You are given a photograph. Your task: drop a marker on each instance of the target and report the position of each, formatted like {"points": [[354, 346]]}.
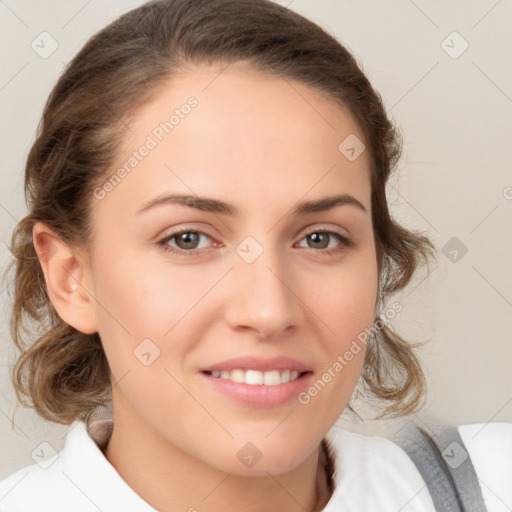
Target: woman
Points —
{"points": [[191, 158]]}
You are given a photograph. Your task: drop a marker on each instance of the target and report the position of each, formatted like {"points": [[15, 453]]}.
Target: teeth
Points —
{"points": [[272, 378], [254, 377], [257, 378], [236, 376]]}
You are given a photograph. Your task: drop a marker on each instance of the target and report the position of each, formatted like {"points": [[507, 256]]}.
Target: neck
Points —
{"points": [[169, 479]]}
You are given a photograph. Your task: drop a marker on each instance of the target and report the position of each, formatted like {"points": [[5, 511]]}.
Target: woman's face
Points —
{"points": [[253, 289]]}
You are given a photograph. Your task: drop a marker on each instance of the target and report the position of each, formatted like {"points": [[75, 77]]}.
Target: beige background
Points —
{"points": [[455, 112]]}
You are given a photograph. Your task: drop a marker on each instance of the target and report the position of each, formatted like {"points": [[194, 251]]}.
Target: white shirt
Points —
{"points": [[372, 474]]}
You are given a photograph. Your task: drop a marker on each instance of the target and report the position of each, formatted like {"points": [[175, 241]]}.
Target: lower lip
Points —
{"points": [[261, 395]]}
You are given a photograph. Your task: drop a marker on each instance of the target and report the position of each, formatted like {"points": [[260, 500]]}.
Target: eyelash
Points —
{"points": [[346, 243]]}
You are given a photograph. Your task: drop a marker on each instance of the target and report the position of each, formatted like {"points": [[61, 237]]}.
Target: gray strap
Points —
{"points": [[445, 465], [457, 459]]}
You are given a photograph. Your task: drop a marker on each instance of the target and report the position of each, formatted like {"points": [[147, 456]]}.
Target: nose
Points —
{"points": [[266, 298]]}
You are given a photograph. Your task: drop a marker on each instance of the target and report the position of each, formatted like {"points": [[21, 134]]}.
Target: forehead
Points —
{"points": [[221, 131]]}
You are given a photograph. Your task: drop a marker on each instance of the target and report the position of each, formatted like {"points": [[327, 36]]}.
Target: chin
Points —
{"points": [[262, 456]]}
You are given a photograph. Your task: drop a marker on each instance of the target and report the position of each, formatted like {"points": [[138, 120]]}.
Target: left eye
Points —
{"points": [[321, 238]]}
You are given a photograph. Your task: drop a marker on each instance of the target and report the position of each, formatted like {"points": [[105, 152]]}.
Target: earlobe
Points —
{"points": [[66, 279]]}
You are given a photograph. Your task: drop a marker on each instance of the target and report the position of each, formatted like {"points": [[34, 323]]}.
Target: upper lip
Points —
{"points": [[258, 363]]}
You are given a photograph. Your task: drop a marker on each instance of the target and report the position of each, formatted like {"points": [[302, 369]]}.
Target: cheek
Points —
{"points": [[345, 299], [139, 302], [144, 296], [347, 307], [353, 312]]}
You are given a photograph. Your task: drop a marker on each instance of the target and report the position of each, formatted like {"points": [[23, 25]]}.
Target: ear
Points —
{"points": [[67, 279]]}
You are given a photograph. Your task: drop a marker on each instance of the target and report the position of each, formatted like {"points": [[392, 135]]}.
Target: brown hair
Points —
{"points": [[64, 372]]}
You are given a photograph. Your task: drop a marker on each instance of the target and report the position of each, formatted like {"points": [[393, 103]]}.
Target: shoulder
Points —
{"points": [[489, 445], [372, 472], [78, 478], [30, 488]]}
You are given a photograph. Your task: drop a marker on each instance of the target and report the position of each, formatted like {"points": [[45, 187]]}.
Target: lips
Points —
{"points": [[258, 381]]}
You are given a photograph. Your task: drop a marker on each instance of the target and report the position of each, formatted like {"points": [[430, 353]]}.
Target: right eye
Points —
{"points": [[186, 241]]}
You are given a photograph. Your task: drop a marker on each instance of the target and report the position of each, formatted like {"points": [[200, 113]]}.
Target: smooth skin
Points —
{"points": [[262, 144]]}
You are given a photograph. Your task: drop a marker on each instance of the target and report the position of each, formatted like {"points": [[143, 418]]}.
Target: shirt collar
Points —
{"points": [[92, 472]]}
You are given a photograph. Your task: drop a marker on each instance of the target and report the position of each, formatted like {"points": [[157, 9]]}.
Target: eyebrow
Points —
{"points": [[215, 206]]}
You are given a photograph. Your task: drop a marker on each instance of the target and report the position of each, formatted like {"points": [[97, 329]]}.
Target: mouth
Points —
{"points": [[254, 377], [257, 381]]}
